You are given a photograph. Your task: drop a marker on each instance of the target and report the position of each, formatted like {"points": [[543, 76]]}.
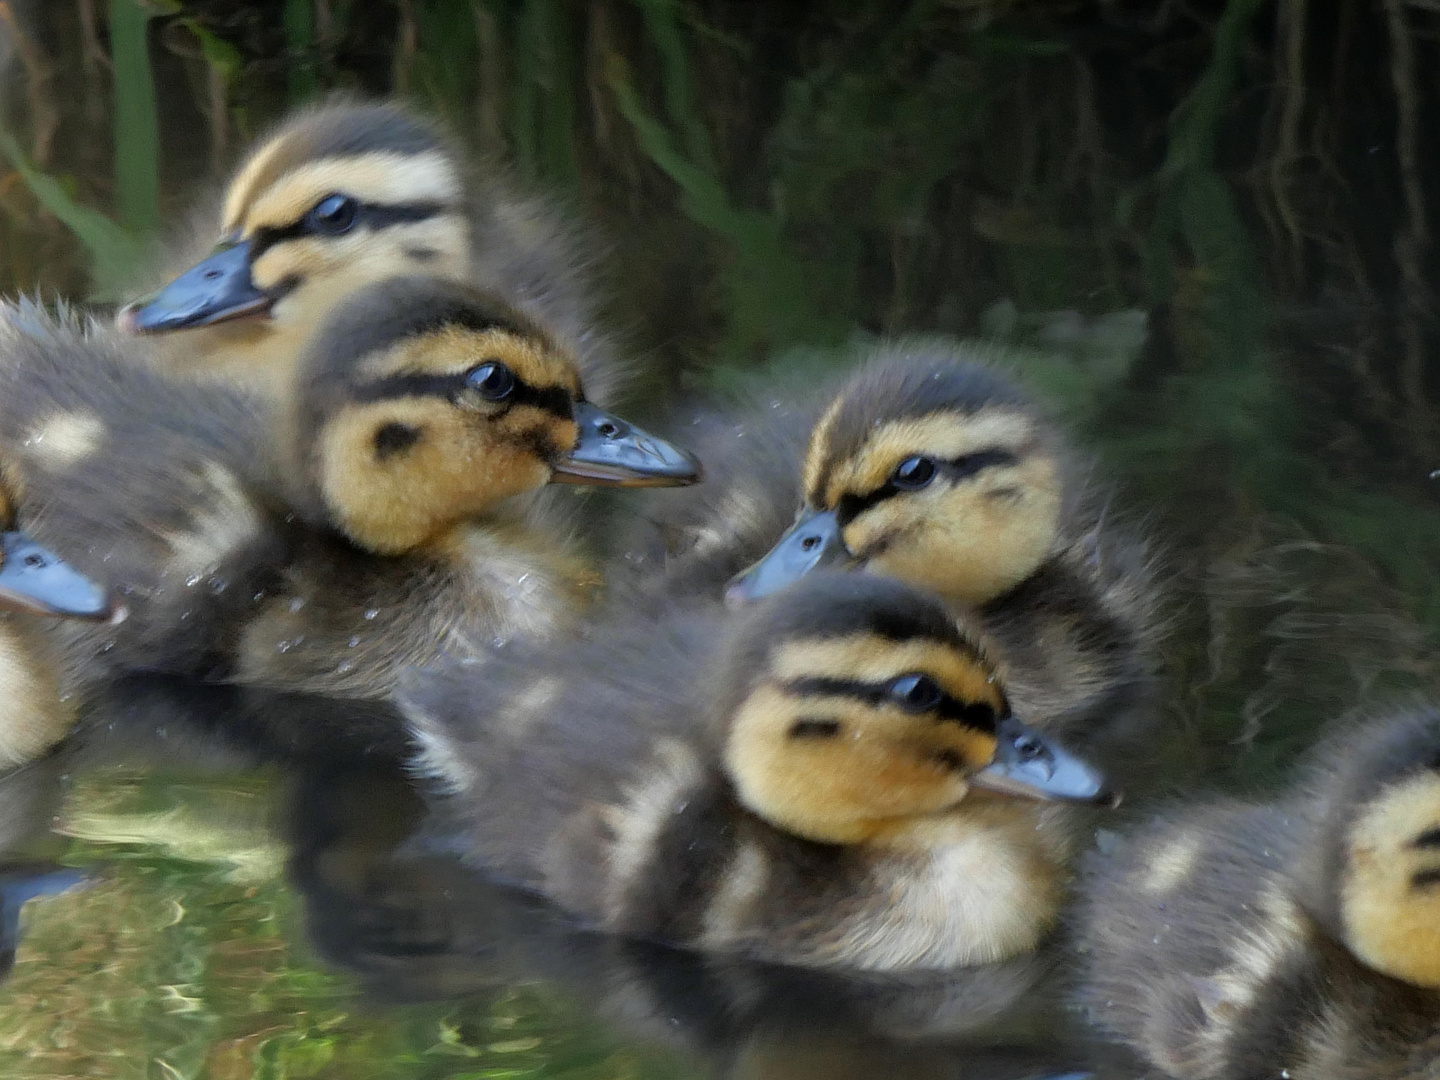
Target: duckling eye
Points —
{"points": [[333, 214], [494, 381], [916, 693], [912, 474]]}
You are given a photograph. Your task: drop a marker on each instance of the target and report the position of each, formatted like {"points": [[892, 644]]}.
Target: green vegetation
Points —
{"points": [[184, 957]]}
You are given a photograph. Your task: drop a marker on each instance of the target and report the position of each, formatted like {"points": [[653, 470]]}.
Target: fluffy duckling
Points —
{"points": [[1299, 938], [35, 712], [934, 468], [341, 195], [374, 528], [830, 779]]}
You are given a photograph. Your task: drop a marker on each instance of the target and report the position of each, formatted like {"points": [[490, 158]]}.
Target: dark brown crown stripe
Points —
{"points": [[972, 714]]}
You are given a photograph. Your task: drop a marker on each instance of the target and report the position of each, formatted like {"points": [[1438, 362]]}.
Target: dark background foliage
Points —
{"points": [[1257, 178]]}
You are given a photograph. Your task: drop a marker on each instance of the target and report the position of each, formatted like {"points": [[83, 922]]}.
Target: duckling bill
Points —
{"points": [[34, 579], [831, 779], [34, 713]]}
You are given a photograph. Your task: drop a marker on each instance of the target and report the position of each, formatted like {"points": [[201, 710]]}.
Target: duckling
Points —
{"points": [[375, 525], [931, 466], [1296, 938], [831, 779], [35, 710], [347, 193]]}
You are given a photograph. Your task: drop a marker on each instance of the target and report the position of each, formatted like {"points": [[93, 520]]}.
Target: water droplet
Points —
{"points": [[218, 585], [296, 604], [371, 613], [352, 642], [282, 646], [345, 667], [193, 580]]}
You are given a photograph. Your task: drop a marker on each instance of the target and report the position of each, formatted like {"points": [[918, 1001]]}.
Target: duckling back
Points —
{"points": [[606, 774], [1228, 941], [139, 481]]}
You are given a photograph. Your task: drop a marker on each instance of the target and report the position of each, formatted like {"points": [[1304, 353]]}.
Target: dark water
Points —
{"points": [[1202, 231]]}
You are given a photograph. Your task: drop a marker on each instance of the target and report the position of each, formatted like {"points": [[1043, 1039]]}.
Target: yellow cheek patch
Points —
{"points": [[457, 468], [944, 436], [848, 788], [378, 177], [1393, 921], [970, 541], [871, 658]]}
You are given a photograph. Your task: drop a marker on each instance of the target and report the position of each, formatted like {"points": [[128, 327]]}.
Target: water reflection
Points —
{"points": [[382, 900]]}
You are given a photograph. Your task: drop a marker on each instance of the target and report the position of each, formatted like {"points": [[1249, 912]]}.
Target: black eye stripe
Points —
{"points": [[960, 468], [1427, 839], [373, 215], [814, 728], [972, 714], [1425, 879], [551, 399]]}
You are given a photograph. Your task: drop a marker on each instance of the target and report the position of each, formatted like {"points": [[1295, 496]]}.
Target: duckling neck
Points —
{"points": [[259, 354], [350, 623], [532, 583], [977, 884]]}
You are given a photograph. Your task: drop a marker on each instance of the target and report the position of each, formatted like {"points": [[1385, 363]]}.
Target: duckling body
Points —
{"points": [[1297, 938], [342, 195], [366, 530], [999, 518], [756, 784]]}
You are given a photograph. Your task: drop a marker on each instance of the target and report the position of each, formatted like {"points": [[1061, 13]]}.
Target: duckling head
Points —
{"points": [[423, 403], [35, 579], [1379, 860], [339, 196], [931, 469], [858, 708]]}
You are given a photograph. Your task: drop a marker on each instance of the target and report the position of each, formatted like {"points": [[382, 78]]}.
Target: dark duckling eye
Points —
{"points": [[333, 214], [494, 381], [916, 693], [912, 474]]}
